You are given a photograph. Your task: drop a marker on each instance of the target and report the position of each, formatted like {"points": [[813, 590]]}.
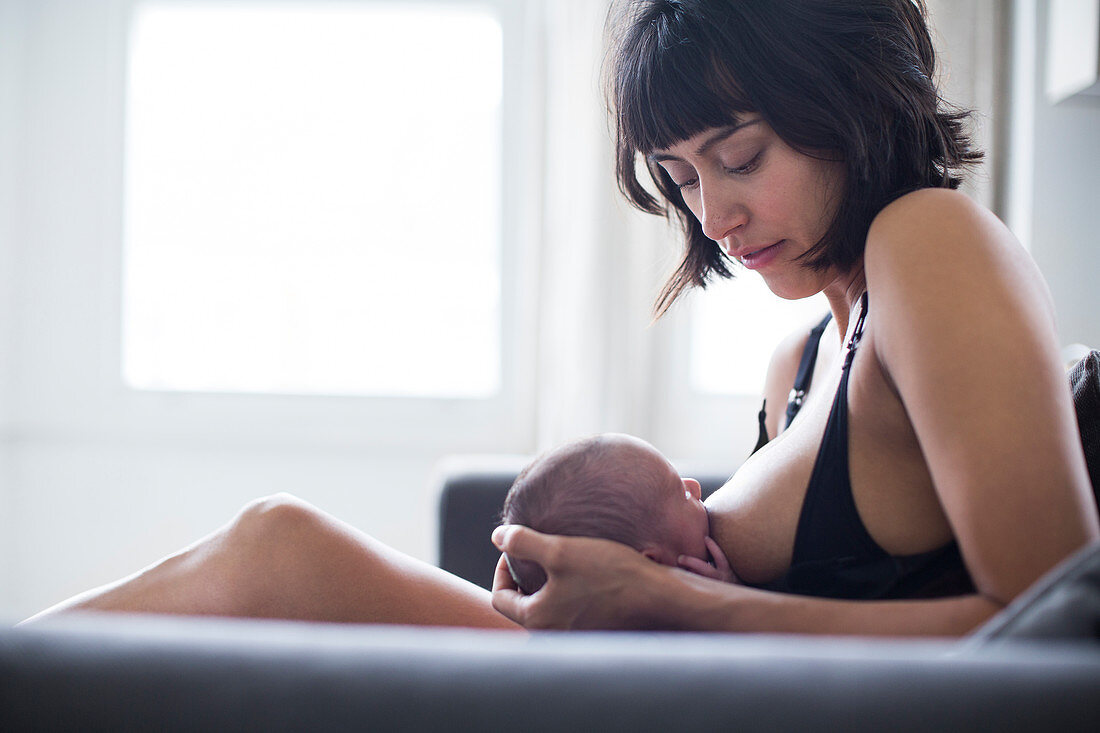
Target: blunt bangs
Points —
{"points": [[672, 88]]}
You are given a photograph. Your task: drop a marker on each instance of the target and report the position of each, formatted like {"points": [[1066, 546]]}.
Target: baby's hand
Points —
{"points": [[720, 570]]}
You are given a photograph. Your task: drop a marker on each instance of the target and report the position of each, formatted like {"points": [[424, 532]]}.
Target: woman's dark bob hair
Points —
{"points": [[847, 80]]}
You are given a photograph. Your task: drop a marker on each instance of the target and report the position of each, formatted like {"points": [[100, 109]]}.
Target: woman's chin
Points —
{"points": [[789, 290]]}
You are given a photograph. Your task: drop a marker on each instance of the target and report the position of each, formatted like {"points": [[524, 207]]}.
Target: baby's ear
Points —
{"points": [[659, 555]]}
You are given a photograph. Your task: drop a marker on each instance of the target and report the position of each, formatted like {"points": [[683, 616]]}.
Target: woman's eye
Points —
{"points": [[680, 176], [748, 167]]}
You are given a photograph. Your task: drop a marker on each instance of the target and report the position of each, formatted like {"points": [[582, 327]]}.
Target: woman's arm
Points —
{"points": [[598, 584], [963, 327]]}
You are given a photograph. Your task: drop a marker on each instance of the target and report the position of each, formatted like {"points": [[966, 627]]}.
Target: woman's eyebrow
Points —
{"points": [[721, 134]]}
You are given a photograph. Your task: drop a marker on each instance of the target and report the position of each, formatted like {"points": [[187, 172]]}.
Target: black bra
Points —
{"points": [[834, 555]]}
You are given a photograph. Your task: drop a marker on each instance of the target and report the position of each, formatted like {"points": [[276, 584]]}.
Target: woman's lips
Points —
{"points": [[761, 257]]}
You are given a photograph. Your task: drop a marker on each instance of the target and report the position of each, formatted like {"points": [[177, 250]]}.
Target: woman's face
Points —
{"points": [[762, 201]]}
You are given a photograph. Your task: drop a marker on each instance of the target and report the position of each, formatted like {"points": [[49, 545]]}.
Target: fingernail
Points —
{"points": [[498, 535]]}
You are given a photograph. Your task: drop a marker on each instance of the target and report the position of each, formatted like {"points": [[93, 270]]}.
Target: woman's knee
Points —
{"points": [[275, 514], [276, 529], [267, 550]]}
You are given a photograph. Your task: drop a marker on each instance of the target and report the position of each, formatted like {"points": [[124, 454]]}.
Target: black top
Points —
{"points": [[834, 555]]}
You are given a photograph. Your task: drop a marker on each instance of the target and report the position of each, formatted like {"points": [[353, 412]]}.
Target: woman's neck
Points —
{"points": [[843, 294]]}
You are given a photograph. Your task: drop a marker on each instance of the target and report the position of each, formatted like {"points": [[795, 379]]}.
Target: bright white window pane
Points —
{"points": [[735, 327], [313, 199]]}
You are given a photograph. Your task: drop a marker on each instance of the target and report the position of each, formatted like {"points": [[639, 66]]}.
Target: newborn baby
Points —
{"points": [[619, 488]]}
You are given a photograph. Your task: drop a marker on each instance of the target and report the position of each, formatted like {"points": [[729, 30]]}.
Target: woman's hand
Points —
{"points": [[720, 570], [591, 583]]}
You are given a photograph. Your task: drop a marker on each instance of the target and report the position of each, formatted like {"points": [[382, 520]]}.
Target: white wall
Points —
{"points": [[10, 64], [1065, 195]]}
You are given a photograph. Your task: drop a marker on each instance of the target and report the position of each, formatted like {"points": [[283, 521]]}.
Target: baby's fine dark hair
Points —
{"points": [[845, 80], [585, 488]]}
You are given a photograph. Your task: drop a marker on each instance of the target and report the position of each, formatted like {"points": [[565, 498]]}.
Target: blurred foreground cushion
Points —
{"points": [[1063, 605]]}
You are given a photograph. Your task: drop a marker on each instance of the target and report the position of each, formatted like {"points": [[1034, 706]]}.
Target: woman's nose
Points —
{"points": [[721, 215]]}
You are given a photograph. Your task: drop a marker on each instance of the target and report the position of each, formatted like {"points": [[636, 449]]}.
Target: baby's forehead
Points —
{"points": [[639, 457], [629, 446], [645, 461]]}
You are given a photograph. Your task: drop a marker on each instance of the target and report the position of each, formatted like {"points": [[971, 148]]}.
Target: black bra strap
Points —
{"points": [[762, 435], [857, 332], [805, 374]]}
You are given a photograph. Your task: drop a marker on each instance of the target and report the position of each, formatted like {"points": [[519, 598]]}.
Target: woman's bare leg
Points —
{"points": [[282, 558]]}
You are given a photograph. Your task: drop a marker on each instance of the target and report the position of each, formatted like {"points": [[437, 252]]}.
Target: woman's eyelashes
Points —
{"points": [[740, 170], [748, 167]]}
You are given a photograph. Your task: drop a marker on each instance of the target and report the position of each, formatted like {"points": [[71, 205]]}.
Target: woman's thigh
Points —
{"points": [[283, 558]]}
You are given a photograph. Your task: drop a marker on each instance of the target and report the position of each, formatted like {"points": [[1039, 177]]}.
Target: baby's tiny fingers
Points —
{"points": [[721, 562], [716, 554], [697, 566]]}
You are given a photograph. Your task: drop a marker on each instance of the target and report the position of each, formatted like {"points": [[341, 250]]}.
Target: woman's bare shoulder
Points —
{"points": [[939, 248], [945, 275], [927, 221]]}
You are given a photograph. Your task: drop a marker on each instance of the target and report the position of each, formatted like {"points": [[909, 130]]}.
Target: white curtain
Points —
{"points": [[598, 260], [972, 48]]}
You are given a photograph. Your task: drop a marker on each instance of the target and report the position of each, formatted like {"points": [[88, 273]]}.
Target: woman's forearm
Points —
{"points": [[694, 603], [598, 584]]}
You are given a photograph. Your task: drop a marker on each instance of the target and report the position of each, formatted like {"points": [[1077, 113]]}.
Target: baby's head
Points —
{"points": [[612, 486]]}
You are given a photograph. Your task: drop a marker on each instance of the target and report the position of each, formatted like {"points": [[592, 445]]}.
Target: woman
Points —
{"points": [[933, 471]]}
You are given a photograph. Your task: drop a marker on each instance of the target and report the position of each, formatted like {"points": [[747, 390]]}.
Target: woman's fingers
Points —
{"points": [[589, 581], [520, 542], [526, 544], [511, 604], [502, 578], [507, 599]]}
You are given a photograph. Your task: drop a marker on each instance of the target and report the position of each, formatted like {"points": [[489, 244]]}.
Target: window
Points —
{"points": [[735, 327], [313, 199]]}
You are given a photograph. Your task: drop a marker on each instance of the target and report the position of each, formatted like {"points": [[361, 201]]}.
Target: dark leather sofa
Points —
{"points": [[1036, 666]]}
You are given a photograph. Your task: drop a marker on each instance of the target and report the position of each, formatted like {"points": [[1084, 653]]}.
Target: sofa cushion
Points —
{"points": [[1064, 604]]}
